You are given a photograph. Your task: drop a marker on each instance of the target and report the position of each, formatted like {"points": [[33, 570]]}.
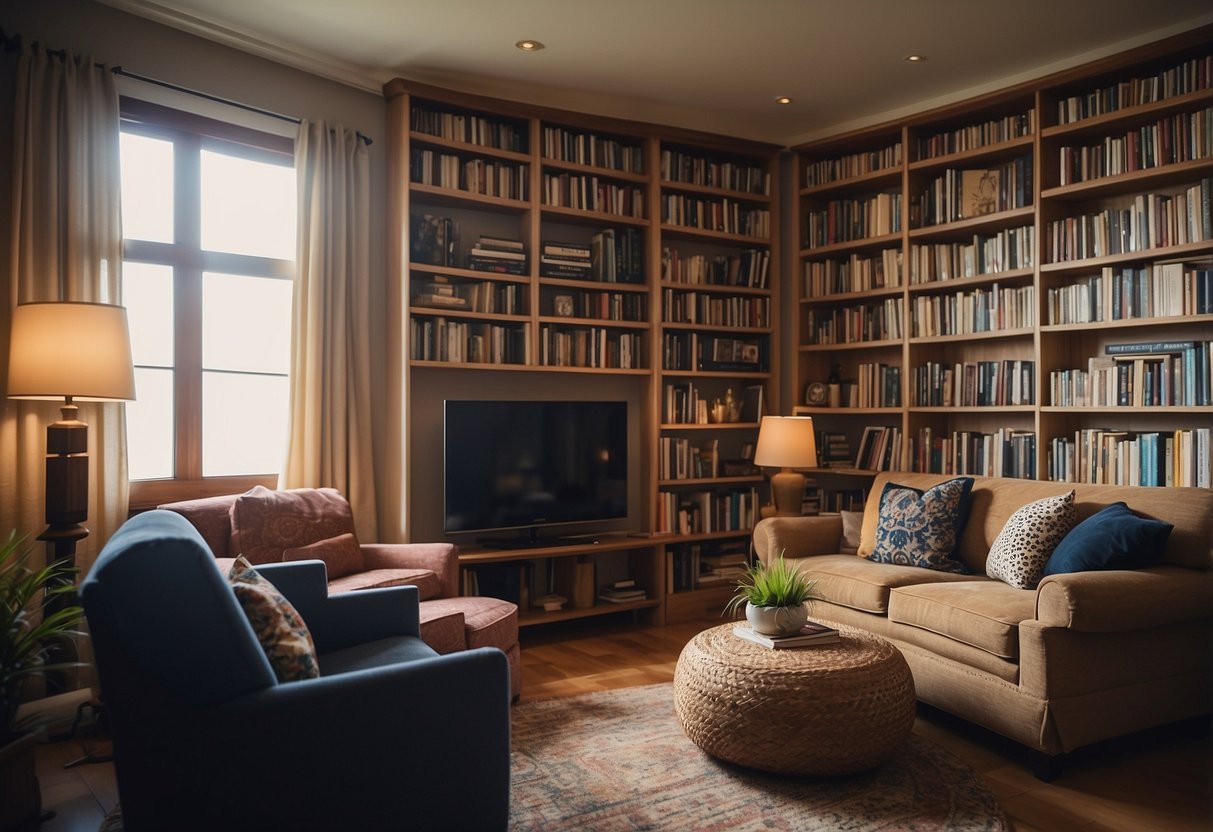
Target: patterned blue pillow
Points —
{"points": [[922, 528]]}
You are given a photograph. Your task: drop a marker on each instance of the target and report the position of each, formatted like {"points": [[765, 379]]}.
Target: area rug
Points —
{"points": [[619, 760]]}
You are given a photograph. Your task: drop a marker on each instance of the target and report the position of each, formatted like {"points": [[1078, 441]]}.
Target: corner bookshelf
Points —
{"points": [[542, 253], [985, 260]]}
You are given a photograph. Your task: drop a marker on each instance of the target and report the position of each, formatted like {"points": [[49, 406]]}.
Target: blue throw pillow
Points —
{"points": [[922, 528], [1111, 538]]}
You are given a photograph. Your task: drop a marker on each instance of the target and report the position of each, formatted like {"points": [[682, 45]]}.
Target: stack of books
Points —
{"points": [[495, 254], [570, 260], [621, 592], [440, 292], [811, 634]]}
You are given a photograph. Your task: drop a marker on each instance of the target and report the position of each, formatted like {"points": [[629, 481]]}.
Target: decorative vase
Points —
{"points": [[776, 621]]}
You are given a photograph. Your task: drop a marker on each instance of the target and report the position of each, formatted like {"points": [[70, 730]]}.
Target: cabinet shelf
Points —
{"points": [[973, 336], [707, 190], [1010, 276], [848, 297], [874, 181], [989, 408], [1202, 410], [714, 288], [706, 327], [855, 345], [1129, 116], [592, 285], [1091, 264], [444, 312], [987, 153], [674, 426], [470, 274], [700, 481], [1000, 219], [716, 374], [581, 216], [1130, 182], [867, 243], [687, 232], [570, 321], [533, 617], [1125, 323], [455, 198], [595, 170], [468, 148]]}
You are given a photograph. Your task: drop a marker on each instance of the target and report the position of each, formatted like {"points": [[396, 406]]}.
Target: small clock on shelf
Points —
{"points": [[815, 394]]}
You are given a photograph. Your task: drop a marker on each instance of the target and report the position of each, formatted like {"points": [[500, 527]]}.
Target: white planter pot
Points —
{"points": [[776, 621]]}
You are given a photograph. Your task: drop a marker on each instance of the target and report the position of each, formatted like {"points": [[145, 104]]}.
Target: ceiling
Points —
{"points": [[706, 64]]}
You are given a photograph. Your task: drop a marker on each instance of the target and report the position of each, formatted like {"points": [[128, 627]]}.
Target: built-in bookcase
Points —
{"points": [[1050, 267]]}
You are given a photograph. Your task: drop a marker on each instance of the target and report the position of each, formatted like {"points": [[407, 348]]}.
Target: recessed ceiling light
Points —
{"points": [[529, 45], [916, 59], [782, 99]]}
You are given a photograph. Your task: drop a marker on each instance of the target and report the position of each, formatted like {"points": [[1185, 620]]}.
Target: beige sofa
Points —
{"points": [[1084, 657]]}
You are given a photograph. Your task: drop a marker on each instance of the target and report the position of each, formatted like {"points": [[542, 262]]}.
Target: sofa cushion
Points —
{"points": [[1023, 547], [265, 522], [280, 629], [341, 555], [443, 629], [862, 584], [374, 654], [981, 612], [488, 622], [1113, 538], [921, 528], [425, 581]]}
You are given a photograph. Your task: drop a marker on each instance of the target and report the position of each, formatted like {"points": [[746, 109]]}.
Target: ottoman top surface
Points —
{"points": [[856, 653]]}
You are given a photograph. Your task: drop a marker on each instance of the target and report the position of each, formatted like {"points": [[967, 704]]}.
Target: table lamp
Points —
{"points": [[787, 442], [75, 352]]}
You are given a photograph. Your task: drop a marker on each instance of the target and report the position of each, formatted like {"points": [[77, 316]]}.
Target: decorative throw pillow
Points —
{"points": [[265, 523], [341, 555], [1028, 538], [283, 635], [922, 528], [1111, 538], [852, 522]]}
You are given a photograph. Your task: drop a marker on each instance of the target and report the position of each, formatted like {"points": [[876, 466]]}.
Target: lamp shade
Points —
{"points": [[786, 442], [70, 349]]}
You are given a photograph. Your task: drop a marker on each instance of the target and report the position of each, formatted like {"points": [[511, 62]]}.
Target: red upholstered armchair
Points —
{"points": [[316, 524]]}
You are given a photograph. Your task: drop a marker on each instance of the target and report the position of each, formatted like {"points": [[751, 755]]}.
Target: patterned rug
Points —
{"points": [[619, 760]]}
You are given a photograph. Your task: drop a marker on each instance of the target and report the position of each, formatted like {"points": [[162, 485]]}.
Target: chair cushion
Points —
{"points": [[372, 654], [284, 636], [1023, 547], [981, 612], [922, 528], [341, 555], [443, 629], [1112, 538], [265, 523], [860, 584], [426, 581]]}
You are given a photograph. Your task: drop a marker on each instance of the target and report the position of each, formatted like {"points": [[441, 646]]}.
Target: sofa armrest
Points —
{"points": [[440, 558], [798, 537], [1119, 600]]}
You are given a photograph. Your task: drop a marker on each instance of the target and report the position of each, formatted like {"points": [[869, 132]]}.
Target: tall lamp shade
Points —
{"points": [[74, 352], [787, 442]]}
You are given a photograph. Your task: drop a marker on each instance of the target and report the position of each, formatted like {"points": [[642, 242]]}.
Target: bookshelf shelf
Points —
{"points": [[467, 147], [986, 153], [706, 190]]}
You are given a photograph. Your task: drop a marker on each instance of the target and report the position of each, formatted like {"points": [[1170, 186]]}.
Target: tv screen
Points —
{"points": [[522, 464]]}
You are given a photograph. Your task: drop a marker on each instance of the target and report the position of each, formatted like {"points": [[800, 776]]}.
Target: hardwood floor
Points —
{"points": [[1159, 780]]}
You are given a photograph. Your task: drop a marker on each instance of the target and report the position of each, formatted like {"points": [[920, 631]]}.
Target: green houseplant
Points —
{"points": [[30, 630], [775, 596]]}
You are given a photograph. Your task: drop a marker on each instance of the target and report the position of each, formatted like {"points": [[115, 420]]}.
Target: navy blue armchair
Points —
{"points": [[391, 736]]}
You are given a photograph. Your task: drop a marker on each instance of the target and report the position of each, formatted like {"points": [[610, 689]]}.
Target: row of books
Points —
{"points": [[498, 254], [824, 171], [819, 499], [692, 169], [681, 307], [1008, 382], [487, 177], [834, 450], [439, 339], [1180, 138], [485, 296], [463, 127], [688, 404], [1171, 374], [679, 458], [1180, 79], [1157, 291], [565, 145], [876, 385], [1117, 457], [879, 321], [698, 351], [724, 215], [707, 512], [603, 306], [587, 192], [748, 268], [590, 347], [433, 240], [857, 273], [617, 256], [879, 448], [1151, 221], [981, 310], [961, 194], [1003, 453], [1011, 248], [973, 136], [846, 220], [701, 565]]}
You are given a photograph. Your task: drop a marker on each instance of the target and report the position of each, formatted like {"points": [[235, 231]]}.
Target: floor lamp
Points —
{"points": [[787, 442], [72, 352]]}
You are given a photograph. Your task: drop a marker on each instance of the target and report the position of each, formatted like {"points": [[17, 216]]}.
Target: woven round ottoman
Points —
{"points": [[833, 709]]}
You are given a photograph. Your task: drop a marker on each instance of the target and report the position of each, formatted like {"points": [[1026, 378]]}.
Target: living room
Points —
{"points": [[575, 646]]}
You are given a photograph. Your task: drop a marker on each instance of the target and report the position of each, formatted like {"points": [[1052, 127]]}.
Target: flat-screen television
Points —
{"points": [[527, 464]]}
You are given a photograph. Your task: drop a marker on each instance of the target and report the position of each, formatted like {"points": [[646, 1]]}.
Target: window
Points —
{"points": [[208, 215]]}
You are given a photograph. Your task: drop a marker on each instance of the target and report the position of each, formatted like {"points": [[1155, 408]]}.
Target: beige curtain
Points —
{"points": [[65, 245], [331, 389]]}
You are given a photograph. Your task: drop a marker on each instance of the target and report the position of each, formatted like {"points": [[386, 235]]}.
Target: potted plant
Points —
{"points": [[30, 632], [775, 596]]}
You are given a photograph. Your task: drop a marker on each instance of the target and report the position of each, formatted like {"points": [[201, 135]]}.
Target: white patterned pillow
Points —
{"points": [[1023, 547]]}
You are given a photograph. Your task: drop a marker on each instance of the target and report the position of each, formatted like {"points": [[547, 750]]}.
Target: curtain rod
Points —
{"points": [[12, 43]]}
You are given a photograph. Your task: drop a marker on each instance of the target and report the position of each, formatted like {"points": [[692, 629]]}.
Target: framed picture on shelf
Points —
{"points": [[562, 306]]}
